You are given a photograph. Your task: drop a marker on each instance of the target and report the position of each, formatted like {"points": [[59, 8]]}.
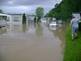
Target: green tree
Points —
{"points": [[39, 13], [24, 19], [65, 9]]}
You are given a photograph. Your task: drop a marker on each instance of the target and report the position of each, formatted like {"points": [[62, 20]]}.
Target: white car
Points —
{"points": [[43, 21], [53, 25], [2, 23]]}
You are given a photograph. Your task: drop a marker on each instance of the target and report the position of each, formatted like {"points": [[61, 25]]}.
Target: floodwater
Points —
{"points": [[33, 42]]}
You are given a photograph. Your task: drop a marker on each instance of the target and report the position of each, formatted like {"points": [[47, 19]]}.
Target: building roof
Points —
{"points": [[4, 14]]}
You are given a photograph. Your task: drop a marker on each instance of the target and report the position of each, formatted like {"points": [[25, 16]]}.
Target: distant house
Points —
{"points": [[16, 18], [4, 19], [30, 17]]}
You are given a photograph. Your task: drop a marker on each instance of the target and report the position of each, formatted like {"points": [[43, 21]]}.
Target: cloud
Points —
{"points": [[23, 9], [27, 2], [27, 6]]}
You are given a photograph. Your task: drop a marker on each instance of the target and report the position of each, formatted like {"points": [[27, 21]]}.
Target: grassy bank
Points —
{"points": [[72, 48]]}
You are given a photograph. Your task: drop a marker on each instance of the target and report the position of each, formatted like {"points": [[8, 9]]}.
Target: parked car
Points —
{"points": [[43, 20], [2, 23], [53, 25]]}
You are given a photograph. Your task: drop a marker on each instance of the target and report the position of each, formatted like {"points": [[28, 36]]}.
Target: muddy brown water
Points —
{"points": [[30, 43]]}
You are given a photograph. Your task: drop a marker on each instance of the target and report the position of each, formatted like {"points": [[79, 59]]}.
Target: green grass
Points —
{"points": [[73, 48]]}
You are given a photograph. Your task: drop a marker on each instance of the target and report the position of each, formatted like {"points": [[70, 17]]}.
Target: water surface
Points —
{"points": [[34, 42]]}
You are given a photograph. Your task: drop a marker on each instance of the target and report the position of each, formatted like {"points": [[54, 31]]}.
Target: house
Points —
{"points": [[16, 18], [5, 19]]}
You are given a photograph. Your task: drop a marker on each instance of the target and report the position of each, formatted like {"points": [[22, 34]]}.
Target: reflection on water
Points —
{"points": [[59, 31], [24, 28], [3, 30], [33, 42], [38, 29]]}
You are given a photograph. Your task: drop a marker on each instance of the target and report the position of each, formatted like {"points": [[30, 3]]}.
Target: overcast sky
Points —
{"points": [[26, 6]]}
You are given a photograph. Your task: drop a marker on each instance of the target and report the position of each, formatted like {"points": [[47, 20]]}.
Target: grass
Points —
{"points": [[73, 48]]}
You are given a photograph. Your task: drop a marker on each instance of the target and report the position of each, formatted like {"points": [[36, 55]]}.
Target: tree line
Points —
{"points": [[65, 9]]}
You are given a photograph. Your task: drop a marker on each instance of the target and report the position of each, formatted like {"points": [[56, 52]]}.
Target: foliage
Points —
{"points": [[73, 47], [65, 9], [24, 19], [39, 13]]}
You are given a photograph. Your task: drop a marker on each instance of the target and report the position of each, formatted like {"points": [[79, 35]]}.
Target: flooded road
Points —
{"points": [[30, 43]]}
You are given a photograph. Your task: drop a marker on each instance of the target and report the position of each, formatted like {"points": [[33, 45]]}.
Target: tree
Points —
{"points": [[55, 12], [39, 13], [24, 19], [65, 9], [56, 5]]}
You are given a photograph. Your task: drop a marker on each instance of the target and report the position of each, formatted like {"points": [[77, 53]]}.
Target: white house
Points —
{"points": [[5, 18], [16, 18]]}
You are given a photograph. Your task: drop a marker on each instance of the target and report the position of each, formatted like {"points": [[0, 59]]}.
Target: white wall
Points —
{"points": [[16, 19]]}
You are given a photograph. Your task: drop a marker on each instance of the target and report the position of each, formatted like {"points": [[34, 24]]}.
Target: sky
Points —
{"points": [[26, 6]]}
